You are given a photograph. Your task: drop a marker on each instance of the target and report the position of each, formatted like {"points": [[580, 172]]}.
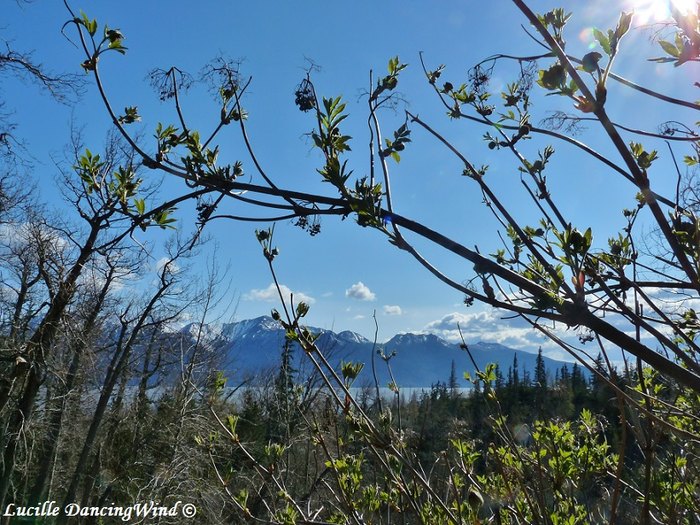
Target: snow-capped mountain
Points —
{"points": [[416, 360]]}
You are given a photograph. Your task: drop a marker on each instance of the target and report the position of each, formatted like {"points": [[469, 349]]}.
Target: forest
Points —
{"points": [[112, 413]]}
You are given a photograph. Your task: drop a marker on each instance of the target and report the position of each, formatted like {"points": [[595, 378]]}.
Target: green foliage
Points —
{"points": [[89, 169], [350, 371], [389, 82], [610, 42], [686, 39], [574, 244], [124, 184], [619, 254], [554, 78], [130, 116], [329, 139], [644, 158], [112, 40], [163, 218], [401, 138], [119, 189], [589, 62], [686, 228]]}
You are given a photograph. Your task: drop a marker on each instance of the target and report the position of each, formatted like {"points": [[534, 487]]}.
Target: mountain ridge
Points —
{"points": [[416, 360]]}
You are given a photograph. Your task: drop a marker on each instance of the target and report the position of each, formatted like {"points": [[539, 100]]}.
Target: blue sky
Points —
{"points": [[346, 272]]}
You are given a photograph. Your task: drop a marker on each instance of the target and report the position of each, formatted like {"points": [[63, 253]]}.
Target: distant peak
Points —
{"points": [[267, 322], [352, 337], [411, 338], [264, 323]]}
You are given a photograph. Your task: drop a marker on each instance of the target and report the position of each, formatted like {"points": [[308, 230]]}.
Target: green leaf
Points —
{"points": [[612, 38], [636, 148], [552, 78], [590, 61], [131, 115], [232, 423], [623, 25], [393, 64], [90, 25], [670, 48], [163, 219], [140, 205], [302, 309], [117, 46], [602, 40]]}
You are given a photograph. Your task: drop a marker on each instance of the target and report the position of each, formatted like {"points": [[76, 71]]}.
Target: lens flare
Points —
{"points": [[652, 11], [686, 6], [586, 36]]}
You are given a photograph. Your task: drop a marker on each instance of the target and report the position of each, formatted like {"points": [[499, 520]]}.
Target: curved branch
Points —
{"points": [[640, 177], [617, 78], [527, 241], [306, 213], [573, 314]]}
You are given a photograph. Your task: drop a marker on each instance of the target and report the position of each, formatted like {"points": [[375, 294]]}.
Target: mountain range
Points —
{"points": [[254, 346]]}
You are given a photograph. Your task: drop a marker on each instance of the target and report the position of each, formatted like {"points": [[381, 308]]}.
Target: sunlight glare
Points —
{"points": [[686, 6], [652, 11]]}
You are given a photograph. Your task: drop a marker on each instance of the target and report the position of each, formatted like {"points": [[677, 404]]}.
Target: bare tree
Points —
{"points": [[107, 197], [67, 367], [21, 65]]}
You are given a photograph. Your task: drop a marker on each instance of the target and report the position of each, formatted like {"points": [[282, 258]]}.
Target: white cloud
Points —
{"points": [[94, 280], [360, 291], [271, 295], [392, 310], [29, 234], [173, 268], [487, 326]]}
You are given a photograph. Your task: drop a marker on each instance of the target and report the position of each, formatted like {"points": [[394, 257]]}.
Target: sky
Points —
{"points": [[347, 274]]}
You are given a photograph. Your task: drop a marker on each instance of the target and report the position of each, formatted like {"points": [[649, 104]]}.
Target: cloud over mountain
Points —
{"points": [[488, 326]]}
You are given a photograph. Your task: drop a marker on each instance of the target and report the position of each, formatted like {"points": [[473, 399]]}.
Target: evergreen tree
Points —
{"points": [[499, 378], [453, 385], [540, 371], [579, 388], [284, 397], [565, 376], [542, 403]]}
